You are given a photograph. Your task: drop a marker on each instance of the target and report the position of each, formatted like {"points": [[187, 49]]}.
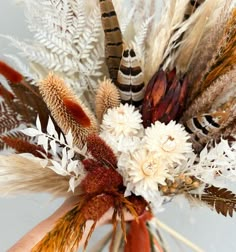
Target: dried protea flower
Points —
{"points": [[68, 111], [164, 98], [107, 97]]}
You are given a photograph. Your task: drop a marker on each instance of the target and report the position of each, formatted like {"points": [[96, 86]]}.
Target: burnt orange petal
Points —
{"points": [[9, 73], [77, 112]]}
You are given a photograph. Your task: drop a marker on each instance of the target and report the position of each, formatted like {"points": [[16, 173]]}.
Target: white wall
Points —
{"points": [[210, 231]]}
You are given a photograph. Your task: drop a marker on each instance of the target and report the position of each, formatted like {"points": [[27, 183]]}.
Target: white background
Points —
{"points": [[210, 231]]}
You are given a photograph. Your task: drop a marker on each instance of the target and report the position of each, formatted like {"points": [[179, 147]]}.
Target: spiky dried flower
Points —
{"points": [[68, 111], [107, 97]]}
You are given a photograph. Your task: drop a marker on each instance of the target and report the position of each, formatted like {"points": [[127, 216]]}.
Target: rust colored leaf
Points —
{"points": [[9, 73]]}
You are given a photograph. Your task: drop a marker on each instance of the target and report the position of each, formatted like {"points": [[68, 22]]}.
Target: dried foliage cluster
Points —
{"points": [[160, 122]]}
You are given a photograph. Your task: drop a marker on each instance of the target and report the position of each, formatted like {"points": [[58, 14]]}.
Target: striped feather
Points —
{"points": [[113, 38], [203, 128], [130, 80]]}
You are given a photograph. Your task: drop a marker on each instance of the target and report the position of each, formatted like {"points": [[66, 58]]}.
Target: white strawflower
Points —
{"points": [[121, 144], [142, 172], [169, 141], [122, 121]]}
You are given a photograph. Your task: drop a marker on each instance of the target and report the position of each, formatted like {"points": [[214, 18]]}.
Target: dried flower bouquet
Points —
{"points": [[125, 110]]}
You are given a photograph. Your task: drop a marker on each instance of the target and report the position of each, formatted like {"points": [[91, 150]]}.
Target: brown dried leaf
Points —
{"points": [[220, 199]]}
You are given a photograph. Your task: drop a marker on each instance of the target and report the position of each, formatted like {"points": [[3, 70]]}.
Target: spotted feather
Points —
{"points": [[113, 38], [130, 80]]}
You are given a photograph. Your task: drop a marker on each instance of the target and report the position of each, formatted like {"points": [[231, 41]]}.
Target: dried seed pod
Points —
{"points": [[68, 111], [107, 97]]}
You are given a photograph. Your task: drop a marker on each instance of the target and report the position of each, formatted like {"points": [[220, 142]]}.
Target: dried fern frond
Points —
{"points": [[68, 111], [223, 60], [220, 199], [28, 175], [23, 146], [107, 97]]}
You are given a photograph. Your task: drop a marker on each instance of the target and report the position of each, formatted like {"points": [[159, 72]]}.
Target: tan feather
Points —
{"points": [[107, 97], [113, 37], [223, 60], [205, 102], [68, 111], [25, 175], [214, 31]]}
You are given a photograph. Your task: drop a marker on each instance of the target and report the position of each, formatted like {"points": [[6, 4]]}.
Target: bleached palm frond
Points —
{"points": [[29, 175]]}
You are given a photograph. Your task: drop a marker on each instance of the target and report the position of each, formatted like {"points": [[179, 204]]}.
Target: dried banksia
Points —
{"points": [[107, 97], [68, 111]]}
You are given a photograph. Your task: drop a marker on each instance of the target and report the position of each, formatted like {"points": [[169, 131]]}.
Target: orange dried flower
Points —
{"points": [[68, 111], [101, 151], [100, 180], [9, 73]]}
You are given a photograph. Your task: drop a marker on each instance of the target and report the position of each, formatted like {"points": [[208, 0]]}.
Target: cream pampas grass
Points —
{"points": [[22, 175]]}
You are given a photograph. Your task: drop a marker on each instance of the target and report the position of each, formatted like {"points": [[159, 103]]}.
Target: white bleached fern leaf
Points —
{"points": [[67, 40]]}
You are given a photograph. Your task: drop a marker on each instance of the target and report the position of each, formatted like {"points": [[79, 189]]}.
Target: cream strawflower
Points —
{"points": [[122, 121], [121, 144], [142, 172], [168, 141]]}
